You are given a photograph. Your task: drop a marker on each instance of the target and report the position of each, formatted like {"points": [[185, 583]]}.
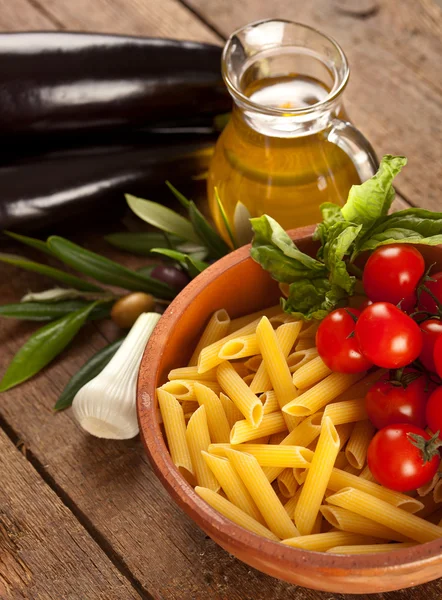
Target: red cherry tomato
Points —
{"points": [[389, 401], [337, 344], [438, 355], [434, 411], [397, 463], [387, 336], [426, 302], [431, 330], [392, 273]]}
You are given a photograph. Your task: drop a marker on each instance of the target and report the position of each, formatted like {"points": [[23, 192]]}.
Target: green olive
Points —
{"points": [[127, 309]]}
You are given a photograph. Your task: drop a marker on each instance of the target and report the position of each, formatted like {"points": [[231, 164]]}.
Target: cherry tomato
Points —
{"points": [[387, 336], [392, 273], [337, 344], [426, 302], [431, 330], [438, 355], [397, 463], [389, 401], [434, 411]]}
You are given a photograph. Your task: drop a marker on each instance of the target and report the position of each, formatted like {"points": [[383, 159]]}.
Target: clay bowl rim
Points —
{"points": [[206, 517]]}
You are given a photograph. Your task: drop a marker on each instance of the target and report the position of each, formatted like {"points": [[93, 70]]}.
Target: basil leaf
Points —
{"points": [[42, 311], [216, 245], [340, 238], [159, 216], [225, 219], [194, 266], [88, 371], [312, 298], [105, 270], [331, 214], [273, 249], [140, 243], [29, 241], [178, 195], [372, 199], [410, 226], [43, 346], [67, 278]]}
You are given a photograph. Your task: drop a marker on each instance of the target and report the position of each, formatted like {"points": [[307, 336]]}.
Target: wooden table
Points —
{"points": [[85, 519]]}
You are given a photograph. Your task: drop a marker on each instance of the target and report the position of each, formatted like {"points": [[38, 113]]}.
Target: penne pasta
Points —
{"points": [[268, 455], [263, 494], [216, 329], [320, 394], [185, 390], [240, 347], [361, 387], [290, 505], [366, 474], [296, 360], [344, 432], [343, 519], [369, 548], [238, 391], [286, 336], [305, 344], [269, 402], [253, 363], [175, 427], [234, 513], [321, 542], [437, 492], [232, 413], [192, 374], [309, 329], [317, 478], [357, 445], [340, 479], [219, 428], [208, 357], [382, 512], [232, 485], [198, 439], [287, 483], [240, 368], [347, 411], [243, 431], [310, 373], [240, 322], [276, 365]]}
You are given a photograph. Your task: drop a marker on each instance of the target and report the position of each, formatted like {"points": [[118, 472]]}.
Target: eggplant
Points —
{"points": [[80, 181], [69, 84]]}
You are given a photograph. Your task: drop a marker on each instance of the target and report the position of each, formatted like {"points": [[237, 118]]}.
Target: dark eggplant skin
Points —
{"points": [[81, 182], [54, 83]]}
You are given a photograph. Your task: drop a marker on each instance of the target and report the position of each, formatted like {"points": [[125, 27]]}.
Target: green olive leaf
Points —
{"points": [[162, 217], [56, 274], [88, 371], [191, 264], [43, 346], [43, 311], [105, 270], [225, 219], [140, 243], [29, 241], [216, 245]]}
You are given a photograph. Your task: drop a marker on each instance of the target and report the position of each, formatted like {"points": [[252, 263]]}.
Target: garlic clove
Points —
{"points": [[106, 406]]}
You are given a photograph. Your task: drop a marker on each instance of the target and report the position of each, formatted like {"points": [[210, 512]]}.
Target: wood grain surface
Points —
{"points": [[117, 519]]}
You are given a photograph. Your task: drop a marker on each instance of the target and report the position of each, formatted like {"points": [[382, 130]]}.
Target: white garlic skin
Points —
{"points": [[106, 406]]}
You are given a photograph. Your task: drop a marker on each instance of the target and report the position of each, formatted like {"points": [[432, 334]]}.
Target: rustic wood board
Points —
{"points": [[109, 486], [44, 551]]}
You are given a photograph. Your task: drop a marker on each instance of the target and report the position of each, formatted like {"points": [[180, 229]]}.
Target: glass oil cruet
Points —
{"points": [[289, 145]]}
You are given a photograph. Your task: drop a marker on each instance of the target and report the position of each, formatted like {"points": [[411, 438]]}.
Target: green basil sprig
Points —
{"points": [[43, 346], [88, 371], [319, 285], [105, 270]]}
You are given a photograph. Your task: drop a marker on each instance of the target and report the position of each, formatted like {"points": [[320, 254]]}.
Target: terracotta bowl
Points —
{"points": [[239, 285]]}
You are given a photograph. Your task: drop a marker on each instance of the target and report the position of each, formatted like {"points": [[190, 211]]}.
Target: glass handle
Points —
{"points": [[356, 146]]}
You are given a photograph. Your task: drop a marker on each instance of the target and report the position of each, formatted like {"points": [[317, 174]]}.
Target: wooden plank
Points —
{"points": [[395, 90], [44, 551], [21, 15], [168, 18]]}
